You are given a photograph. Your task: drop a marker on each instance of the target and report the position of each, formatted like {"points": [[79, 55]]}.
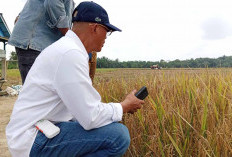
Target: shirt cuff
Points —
{"points": [[117, 112]]}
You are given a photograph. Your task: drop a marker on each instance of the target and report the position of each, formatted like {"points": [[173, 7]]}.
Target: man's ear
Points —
{"points": [[93, 28]]}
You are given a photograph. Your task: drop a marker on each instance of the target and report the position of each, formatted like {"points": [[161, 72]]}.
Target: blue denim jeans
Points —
{"points": [[26, 58], [74, 141]]}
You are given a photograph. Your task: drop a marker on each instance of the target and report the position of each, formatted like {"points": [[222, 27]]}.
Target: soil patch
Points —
{"points": [[6, 106]]}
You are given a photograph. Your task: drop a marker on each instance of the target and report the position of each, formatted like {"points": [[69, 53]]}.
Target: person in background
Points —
{"points": [[39, 24], [92, 64]]}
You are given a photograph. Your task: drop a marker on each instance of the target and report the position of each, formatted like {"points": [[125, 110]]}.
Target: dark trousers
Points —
{"points": [[26, 58]]}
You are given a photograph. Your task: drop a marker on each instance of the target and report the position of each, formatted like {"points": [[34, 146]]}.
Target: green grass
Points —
{"points": [[106, 70], [12, 77], [11, 73]]}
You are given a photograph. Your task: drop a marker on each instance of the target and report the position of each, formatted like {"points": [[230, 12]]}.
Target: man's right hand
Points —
{"points": [[131, 103]]}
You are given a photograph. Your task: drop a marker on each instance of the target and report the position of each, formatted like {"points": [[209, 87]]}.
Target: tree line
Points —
{"points": [[104, 62], [224, 61]]}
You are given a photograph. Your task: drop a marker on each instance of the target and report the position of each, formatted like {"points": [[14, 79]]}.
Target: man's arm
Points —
{"points": [[58, 17], [74, 87]]}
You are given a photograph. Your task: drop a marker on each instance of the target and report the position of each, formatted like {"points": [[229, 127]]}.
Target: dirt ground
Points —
{"points": [[6, 106]]}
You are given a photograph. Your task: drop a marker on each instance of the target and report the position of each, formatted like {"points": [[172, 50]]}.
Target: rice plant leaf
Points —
{"points": [[161, 147], [174, 144]]}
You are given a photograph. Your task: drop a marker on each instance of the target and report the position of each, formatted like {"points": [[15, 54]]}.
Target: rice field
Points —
{"points": [[188, 111]]}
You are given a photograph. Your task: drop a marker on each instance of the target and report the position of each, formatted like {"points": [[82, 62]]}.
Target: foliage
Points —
{"points": [[12, 62], [224, 61], [104, 62]]}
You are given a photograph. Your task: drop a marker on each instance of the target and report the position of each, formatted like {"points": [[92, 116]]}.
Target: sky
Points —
{"points": [[158, 29]]}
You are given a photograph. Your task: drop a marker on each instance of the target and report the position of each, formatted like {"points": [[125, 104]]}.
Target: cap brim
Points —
{"points": [[113, 28]]}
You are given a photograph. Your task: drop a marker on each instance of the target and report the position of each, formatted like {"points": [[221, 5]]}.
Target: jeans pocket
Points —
{"points": [[37, 146], [40, 139]]}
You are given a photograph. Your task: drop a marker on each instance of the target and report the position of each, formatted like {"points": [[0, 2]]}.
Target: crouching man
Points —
{"points": [[58, 88]]}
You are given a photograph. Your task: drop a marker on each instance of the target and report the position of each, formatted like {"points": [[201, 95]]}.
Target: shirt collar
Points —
{"points": [[77, 41]]}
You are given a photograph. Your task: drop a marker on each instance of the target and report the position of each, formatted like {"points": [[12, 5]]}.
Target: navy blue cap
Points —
{"points": [[92, 12]]}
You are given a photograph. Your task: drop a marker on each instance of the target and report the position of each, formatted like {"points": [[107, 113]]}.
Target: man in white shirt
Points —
{"points": [[58, 88]]}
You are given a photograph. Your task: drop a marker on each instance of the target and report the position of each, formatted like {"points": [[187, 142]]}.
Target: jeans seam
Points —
{"points": [[113, 142], [62, 143], [37, 144]]}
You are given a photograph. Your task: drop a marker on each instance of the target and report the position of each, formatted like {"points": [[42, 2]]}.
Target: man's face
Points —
{"points": [[100, 35]]}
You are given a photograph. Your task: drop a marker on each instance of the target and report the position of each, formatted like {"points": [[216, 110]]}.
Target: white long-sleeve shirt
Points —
{"points": [[58, 88]]}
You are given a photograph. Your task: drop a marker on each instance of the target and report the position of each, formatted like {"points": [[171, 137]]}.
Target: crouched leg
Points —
{"points": [[73, 141]]}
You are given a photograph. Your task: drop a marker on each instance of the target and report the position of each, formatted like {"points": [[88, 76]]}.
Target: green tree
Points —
{"points": [[12, 63]]}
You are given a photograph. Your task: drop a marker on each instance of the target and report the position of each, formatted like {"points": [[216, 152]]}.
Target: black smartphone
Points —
{"points": [[142, 93]]}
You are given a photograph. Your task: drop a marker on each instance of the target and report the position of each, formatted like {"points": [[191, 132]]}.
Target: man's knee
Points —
{"points": [[122, 138]]}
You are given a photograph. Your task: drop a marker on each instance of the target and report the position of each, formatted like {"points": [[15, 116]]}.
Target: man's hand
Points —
{"points": [[131, 104]]}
